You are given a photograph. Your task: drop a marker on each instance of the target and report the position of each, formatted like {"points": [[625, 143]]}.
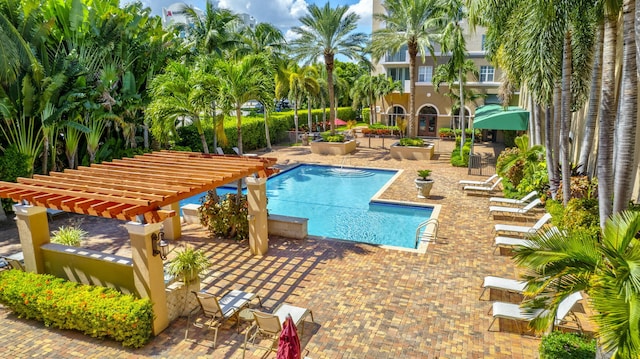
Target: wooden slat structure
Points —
{"points": [[135, 188]]}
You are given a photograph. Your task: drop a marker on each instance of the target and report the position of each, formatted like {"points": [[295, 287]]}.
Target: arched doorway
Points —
{"points": [[395, 113], [427, 121]]}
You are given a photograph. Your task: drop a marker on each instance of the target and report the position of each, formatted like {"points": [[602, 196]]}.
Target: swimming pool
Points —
{"points": [[337, 202]]}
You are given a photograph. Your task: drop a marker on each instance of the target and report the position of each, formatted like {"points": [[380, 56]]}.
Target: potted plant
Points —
{"points": [[424, 183], [188, 264]]}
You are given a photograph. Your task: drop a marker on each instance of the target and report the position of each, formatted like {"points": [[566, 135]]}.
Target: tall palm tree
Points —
{"points": [[411, 23], [453, 42], [326, 32], [364, 92], [560, 263], [388, 86], [627, 113]]}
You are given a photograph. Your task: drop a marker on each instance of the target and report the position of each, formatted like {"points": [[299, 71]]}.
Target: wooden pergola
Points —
{"points": [[135, 188]]}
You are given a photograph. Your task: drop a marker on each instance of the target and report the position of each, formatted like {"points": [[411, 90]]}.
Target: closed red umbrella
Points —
{"points": [[289, 344]]}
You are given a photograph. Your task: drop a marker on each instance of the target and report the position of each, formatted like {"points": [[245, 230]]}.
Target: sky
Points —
{"points": [[282, 13]]}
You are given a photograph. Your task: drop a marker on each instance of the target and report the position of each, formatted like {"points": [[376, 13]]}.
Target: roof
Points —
{"points": [[135, 188], [494, 117]]}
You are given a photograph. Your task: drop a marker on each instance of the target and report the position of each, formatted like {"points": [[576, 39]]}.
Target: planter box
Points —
{"points": [[412, 153], [333, 148]]}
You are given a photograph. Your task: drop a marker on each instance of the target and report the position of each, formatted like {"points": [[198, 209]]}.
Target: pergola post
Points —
{"points": [[258, 229], [148, 273], [172, 227], [33, 230]]}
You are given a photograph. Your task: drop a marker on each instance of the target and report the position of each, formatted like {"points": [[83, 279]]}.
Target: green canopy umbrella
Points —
{"points": [[494, 117]]}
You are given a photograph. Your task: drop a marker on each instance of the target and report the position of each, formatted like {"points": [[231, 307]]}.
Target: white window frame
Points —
{"points": [[487, 74], [424, 75]]}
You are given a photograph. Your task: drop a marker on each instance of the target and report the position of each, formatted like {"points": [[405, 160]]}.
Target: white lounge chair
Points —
{"points": [[499, 210], [522, 229], [514, 312], [487, 182], [219, 151], [484, 188], [504, 284], [513, 201], [237, 151], [510, 242]]}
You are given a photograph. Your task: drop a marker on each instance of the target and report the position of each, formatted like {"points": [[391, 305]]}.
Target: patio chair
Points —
{"points": [[270, 325], [504, 284], [499, 210], [219, 151], [487, 182], [510, 242], [237, 151], [523, 229], [54, 213], [14, 264], [513, 201], [217, 312], [484, 188], [511, 311]]}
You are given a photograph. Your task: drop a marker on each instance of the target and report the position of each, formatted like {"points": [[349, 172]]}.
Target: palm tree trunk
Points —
{"points": [[413, 52], [295, 117], [145, 135], [239, 127], [538, 124], [309, 120], [328, 61], [606, 120], [624, 175], [594, 102], [548, 144], [566, 119], [266, 128], [557, 111], [45, 150], [461, 112]]}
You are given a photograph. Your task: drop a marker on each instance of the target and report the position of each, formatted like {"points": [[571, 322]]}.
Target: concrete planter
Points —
{"points": [[424, 187], [412, 153], [333, 148]]}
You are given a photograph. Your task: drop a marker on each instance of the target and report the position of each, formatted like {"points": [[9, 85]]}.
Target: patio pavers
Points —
{"points": [[368, 302]]}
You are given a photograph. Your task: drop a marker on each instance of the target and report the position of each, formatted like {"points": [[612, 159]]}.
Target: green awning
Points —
{"points": [[494, 117]]}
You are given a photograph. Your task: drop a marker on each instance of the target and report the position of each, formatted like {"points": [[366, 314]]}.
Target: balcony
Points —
{"points": [[401, 57]]}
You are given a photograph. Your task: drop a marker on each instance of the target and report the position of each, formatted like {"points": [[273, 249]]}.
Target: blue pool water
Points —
{"points": [[337, 203]]}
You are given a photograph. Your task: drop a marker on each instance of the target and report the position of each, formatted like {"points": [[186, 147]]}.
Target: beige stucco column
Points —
{"points": [[33, 229], [258, 230], [172, 229], [148, 274]]}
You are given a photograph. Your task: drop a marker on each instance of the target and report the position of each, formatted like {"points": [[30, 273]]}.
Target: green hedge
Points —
{"points": [[96, 311], [567, 346], [253, 135]]}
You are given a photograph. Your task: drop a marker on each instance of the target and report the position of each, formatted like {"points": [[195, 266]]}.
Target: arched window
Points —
{"points": [[395, 113]]}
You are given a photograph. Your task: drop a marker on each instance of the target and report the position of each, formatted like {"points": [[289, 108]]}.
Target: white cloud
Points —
{"points": [[364, 8]]}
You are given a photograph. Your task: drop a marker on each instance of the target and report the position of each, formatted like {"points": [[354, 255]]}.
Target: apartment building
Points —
{"points": [[434, 109]]}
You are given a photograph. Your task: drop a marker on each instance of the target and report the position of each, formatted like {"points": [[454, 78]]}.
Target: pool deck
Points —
{"points": [[367, 301]]}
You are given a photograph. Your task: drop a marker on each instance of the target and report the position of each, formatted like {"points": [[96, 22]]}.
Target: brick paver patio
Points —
{"points": [[368, 302]]}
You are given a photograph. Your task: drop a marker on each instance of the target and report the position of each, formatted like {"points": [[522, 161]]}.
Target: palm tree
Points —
{"points": [[410, 23], [240, 81], [453, 42], [561, 263], [177, 97], [627, 113], [388, 86], [326, 32], [213, 33], [302, 80], [364, 92]]}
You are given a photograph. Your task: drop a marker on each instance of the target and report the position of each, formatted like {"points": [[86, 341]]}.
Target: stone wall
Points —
{"points": [[176, 294]]}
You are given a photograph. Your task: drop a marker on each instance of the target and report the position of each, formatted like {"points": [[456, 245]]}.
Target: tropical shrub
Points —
{"points": [[567, 345], [581, 187], [580, 214], [13, 164], [327, 137], [523, 168], [445, 132], [96, 311], [69, 236], [458, 160], [226, 217], [413, 141]]}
